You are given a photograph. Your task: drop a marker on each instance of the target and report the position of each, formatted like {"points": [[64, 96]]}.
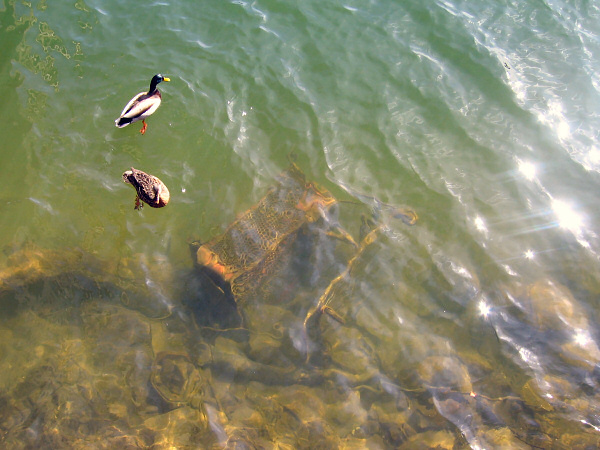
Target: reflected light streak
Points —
{"points": [[529, 357], [527, 169], [567, 218], [484, 309], [459, 270], [582, 338], [585, 422], [563, 130], [594, 156], [509, 270], [526, 355], [480, 224], [555, 118]]}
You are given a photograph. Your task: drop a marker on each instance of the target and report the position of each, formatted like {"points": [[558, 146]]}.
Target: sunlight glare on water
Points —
{"points": [[447, 298]]}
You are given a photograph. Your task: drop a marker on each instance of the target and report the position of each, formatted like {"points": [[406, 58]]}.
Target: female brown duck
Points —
{"points": [[149, 189]]}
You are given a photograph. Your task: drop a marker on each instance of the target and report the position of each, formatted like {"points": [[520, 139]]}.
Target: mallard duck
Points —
{"points": [[148, 187], [142, 105]]}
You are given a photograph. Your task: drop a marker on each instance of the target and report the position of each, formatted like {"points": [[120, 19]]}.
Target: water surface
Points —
{"points": [[475, 327]]}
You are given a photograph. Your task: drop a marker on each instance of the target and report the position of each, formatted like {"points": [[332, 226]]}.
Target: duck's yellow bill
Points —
{"points": [[166, 79]]}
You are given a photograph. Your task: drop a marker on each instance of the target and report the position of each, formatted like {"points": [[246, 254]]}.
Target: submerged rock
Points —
{"points": [[183, 427], [443, 440], [175, 378], [445, 372], [553, 306]]}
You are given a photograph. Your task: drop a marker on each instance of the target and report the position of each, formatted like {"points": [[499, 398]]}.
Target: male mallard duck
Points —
{"points": [[148, 187], [142, 105]]}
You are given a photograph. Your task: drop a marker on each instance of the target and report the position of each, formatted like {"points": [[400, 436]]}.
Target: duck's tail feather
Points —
{"points": [[122, 122]]}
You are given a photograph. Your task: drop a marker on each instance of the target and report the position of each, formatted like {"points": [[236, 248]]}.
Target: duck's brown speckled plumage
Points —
{"points": [[148, 187]]}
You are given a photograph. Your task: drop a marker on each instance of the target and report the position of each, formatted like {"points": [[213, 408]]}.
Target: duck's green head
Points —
{"points": [[158, 78]]}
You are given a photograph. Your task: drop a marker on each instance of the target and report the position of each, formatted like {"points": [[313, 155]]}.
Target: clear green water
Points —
{"points": [[481, 117]]}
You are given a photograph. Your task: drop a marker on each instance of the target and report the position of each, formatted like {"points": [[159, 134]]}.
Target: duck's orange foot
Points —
{"points": [[143, 130], [138, 204]]}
